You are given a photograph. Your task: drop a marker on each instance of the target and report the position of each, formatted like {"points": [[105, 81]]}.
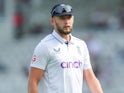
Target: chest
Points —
{"points": [[66, 56]]}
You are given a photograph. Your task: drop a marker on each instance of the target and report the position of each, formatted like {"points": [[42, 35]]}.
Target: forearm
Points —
{"points": [[95, 86], [92, 82]]}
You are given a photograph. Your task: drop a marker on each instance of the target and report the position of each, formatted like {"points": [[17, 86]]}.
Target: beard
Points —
{"points": [[62, 31]]}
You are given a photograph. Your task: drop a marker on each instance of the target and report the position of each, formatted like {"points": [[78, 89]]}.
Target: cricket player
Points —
{"points": [[61, 61]]}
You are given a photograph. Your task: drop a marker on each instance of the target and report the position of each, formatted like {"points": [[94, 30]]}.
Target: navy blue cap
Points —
{"points": [[61, 9]]}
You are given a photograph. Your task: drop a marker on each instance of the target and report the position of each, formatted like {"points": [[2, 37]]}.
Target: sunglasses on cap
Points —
{"points": [[61, 9]]}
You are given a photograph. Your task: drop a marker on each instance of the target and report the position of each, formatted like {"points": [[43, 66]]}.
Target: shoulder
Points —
{"points": [[46, 40], [78, 41], [42, 45]]}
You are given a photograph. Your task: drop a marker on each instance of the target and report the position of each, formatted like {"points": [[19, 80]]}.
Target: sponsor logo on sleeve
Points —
{"points": [[34, 58]]}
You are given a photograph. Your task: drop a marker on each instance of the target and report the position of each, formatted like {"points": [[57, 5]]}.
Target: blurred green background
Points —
{"points": [[23, 23]]}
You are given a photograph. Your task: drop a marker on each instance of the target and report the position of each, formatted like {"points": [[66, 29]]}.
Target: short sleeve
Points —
{"points": [[40, 57], [87, 63]]}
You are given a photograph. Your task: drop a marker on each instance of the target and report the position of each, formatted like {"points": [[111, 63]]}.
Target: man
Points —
{"points": [[61, 60]]}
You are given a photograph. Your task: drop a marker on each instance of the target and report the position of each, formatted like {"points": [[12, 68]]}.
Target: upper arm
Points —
{"points": [[89, 74], [35, 75], [40, 57]]}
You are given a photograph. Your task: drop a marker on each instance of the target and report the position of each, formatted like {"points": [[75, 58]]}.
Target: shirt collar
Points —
{"points": [[60, 39]]}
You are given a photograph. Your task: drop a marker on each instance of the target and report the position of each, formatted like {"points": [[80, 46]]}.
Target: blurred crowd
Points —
{"points": [[105, 19], [101, 18]]}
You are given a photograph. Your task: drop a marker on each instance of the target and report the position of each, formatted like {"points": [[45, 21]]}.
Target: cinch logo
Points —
{"points": [[76, 64]]}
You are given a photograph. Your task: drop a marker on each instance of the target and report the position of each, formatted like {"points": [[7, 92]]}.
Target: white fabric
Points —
{"points": [[63, 63]]}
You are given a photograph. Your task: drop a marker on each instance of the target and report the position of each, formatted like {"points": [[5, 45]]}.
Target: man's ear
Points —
{"points": [[52, 21]]}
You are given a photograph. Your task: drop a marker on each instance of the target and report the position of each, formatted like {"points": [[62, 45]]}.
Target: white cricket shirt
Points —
{"points": [[63, 63]]}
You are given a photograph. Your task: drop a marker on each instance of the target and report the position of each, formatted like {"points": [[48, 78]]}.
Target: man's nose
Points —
{"points": [[66, 21]]}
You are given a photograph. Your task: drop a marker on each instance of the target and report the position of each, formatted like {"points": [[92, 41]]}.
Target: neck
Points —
{"points": [[66, 37]]}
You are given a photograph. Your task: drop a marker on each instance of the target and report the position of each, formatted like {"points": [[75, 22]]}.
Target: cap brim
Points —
{"points": [[69, 13]]}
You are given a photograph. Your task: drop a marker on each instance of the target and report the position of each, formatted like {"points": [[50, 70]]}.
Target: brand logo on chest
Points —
{"points": [[56, 49], [76, 64]]}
